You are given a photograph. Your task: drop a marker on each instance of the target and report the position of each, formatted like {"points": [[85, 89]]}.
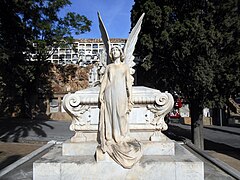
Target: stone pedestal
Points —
{"points": [[82, 158], [89, 148], [164, 148], [181, 166], [79, 149], [145, 119]]}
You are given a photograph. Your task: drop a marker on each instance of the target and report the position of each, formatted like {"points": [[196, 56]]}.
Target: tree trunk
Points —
{"points": [[197, 125]]}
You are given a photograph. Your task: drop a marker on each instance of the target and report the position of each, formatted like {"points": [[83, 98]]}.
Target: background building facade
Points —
{"points": [[82, 51]]}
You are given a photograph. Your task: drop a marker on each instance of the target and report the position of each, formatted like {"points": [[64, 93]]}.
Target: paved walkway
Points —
{"points": [[221, 138], [224, 136], [222, 143], [34, 130], [228, 129]]}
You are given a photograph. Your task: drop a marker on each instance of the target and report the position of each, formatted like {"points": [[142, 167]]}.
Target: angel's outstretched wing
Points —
{"points": [[105, 37], [130, 44]]}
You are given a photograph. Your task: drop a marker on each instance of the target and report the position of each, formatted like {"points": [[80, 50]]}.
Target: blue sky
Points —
{"points": [[115, 15]]}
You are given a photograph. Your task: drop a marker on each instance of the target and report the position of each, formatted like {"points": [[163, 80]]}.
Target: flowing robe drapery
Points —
{"points": [[114, 129]]}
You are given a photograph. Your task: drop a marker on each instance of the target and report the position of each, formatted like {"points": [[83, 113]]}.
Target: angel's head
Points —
{"points": [[116, 52]]}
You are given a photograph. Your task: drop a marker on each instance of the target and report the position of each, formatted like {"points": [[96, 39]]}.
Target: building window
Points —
{"points": [[95, 51], [75, 45], [68, 50], [68, 61], [88, 45], [95, 45], [81, 45], [55, 61], [62, 50], [61, 61], [61, 56], [75, 56], [55, 56], [55, 51], [88, 51], [68, 56], [88, 57], [75, 50], [74, 61]]}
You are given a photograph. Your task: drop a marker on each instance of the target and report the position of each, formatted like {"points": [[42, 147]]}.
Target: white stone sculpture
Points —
{"points": [[115, 97], [122, 108], [104, 133]]}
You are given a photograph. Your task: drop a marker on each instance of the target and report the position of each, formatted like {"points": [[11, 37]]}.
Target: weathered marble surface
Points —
{"points": [[115, 98], [146, 117], [89, 148], [182, 166], [115, 130]]}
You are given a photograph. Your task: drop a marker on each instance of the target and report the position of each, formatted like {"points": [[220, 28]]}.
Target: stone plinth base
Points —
{"points": [[158, 148], [182, 166], [89, 148], [79, 148]]}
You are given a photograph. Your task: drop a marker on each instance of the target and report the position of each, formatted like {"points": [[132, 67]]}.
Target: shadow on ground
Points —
{"points": [[222, 148], [176, 133], [13, 129], [179, 134], [9, 160]]}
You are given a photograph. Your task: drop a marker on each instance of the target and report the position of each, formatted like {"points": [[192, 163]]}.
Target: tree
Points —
{"points": [[191, 47], [22, 25]]}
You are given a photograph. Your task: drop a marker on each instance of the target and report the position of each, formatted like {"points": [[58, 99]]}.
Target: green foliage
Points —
{"points": [[23, 23], [191, 47]]}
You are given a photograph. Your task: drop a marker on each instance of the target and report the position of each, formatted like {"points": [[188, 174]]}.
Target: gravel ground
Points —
{"points": [[233, 162], [11, 152]]}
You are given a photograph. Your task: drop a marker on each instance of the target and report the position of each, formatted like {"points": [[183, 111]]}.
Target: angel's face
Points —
{"points": [[116, 53]]}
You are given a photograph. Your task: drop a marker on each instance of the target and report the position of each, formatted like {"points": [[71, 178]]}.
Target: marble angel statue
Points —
{"points": [[115, 98]]}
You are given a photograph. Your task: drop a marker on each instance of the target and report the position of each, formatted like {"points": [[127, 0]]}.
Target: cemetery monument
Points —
{"points": [[118, 128]]}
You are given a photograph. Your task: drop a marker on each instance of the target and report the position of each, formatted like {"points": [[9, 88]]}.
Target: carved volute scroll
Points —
{"points": [[72, 105], [163, 105], [82, 106]]}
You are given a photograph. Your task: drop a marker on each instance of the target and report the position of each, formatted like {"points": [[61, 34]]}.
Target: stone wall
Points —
{"points": [[68, 78], [64, 79]]}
